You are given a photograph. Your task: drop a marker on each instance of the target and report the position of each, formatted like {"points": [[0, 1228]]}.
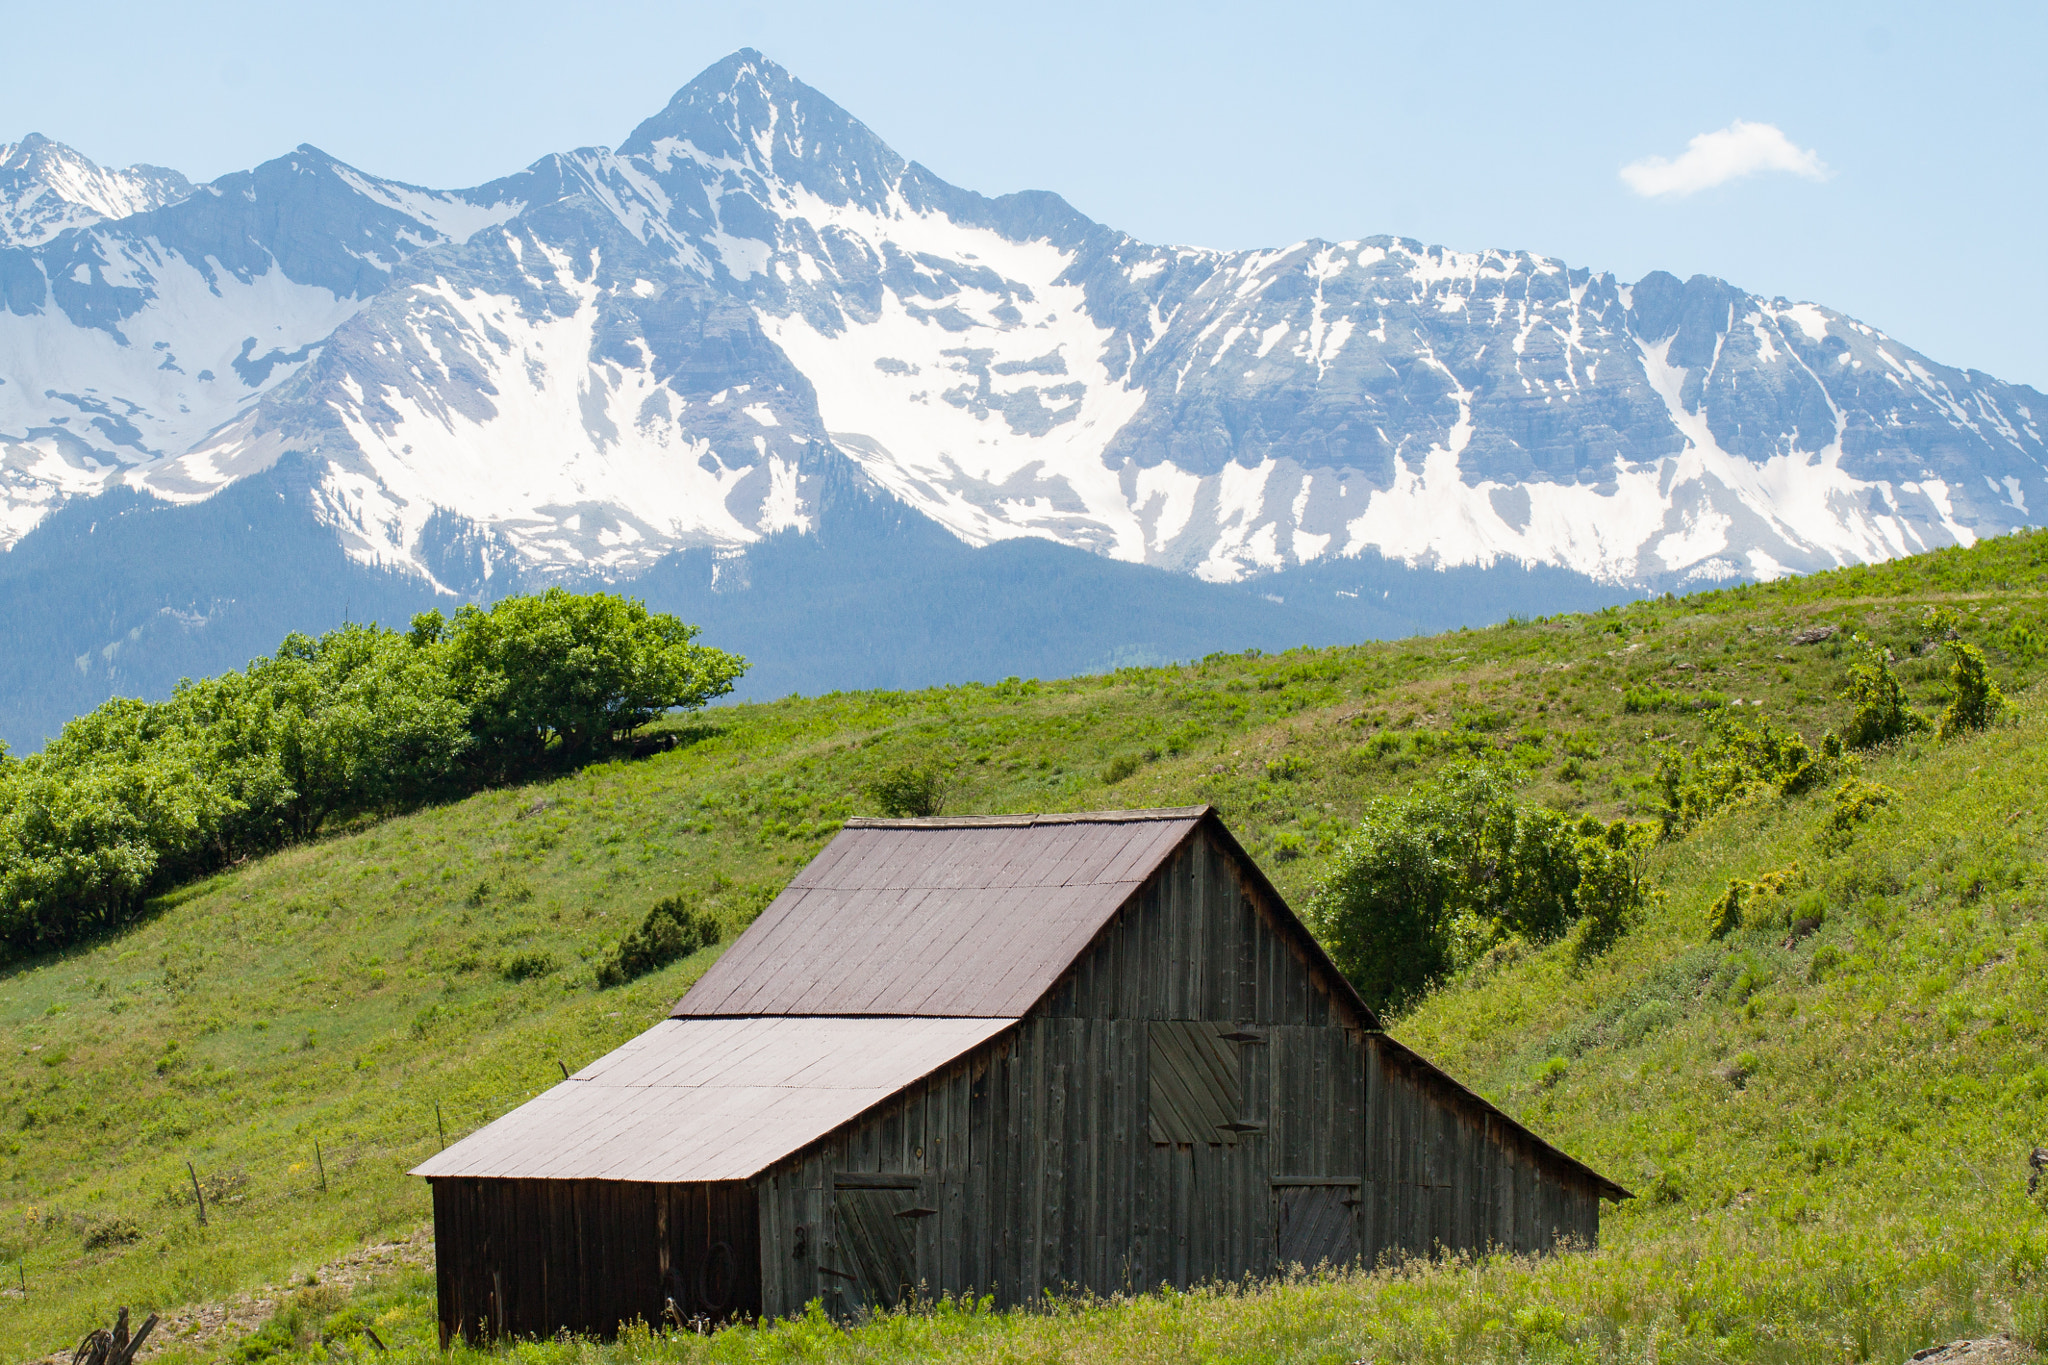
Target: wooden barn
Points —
{"points": [[995, 1055]]}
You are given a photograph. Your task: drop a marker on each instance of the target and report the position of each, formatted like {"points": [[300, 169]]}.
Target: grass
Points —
{"points": [[1828, 1130]]}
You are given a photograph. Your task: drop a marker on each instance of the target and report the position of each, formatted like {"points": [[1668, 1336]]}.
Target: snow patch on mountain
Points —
{"points": [[201, 354], [987, 407], [580, 464], [444, 216], [47, 188]]}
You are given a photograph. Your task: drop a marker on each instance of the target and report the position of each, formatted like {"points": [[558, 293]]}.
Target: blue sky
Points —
{"points": [[1896, 151]]}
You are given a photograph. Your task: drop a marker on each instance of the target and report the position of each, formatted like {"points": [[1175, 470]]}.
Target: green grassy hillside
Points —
{"points": [[1828, 1126]]}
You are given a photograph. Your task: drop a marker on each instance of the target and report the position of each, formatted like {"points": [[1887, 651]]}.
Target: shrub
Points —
{"points": [[1613, 882], [294, 1326], [111, 1232], [1881, 710], [1644, 1020], [1645, 698], [1287, 768], [672, 931], [527, 965], [1119, 768], [1750, 904], [1437, 880], [1724, 916], [1976, 700], [1855, 801], [1641, 700], [911, 790], [1737, 762]]}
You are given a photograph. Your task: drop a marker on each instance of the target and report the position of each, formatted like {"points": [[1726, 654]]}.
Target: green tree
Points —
{"points": [[1384, 912], [571, 670], [80, 847], [361, 721], [1614, 877]]}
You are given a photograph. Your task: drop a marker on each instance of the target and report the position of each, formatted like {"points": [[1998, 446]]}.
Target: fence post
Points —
{"points": [[438, 1126], [197, 1193], [322, 1165]]}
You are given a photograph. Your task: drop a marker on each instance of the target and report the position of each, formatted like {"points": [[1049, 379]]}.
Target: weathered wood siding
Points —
{"points": [[1444, 1172], [527, 1258], [1031, 1165]]}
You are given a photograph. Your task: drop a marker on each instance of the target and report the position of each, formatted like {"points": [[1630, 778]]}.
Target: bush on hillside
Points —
{"points": [[1613, 884], [1121, 767], [138, 796], [673, 930], [1434, 881], [1643, 699], [1750, 903], [911, 790], [1976, 700], [1881, 714], [1735, 763], [1855, 802]]}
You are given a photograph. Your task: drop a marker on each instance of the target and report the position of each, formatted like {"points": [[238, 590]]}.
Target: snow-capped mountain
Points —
{"points": [[617, 356], [46, 187]]}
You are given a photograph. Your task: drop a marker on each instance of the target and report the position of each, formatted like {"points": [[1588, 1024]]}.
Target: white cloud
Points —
{"points": [[1716, 158]]}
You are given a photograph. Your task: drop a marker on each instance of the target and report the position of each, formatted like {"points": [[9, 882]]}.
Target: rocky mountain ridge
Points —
{"points": [[46, 188], [619, 356]]}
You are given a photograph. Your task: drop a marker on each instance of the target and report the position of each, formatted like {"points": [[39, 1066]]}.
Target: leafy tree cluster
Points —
{"points": [[138, 796], [1431, 882]]}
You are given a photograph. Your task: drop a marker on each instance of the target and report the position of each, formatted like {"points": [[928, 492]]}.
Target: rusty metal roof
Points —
{"points": [[939, 917], [710, 1099]]}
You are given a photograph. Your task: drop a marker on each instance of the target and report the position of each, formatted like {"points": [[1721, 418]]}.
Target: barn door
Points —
{"points": [[1318, 1223], [876, 1245]]}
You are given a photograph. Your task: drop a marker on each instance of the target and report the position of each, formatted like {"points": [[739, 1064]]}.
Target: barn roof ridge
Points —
{"points": [[1031, 818]]}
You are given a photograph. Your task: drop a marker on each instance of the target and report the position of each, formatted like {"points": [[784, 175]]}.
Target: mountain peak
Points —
{"points": [[47, 188], [748, 111]]}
